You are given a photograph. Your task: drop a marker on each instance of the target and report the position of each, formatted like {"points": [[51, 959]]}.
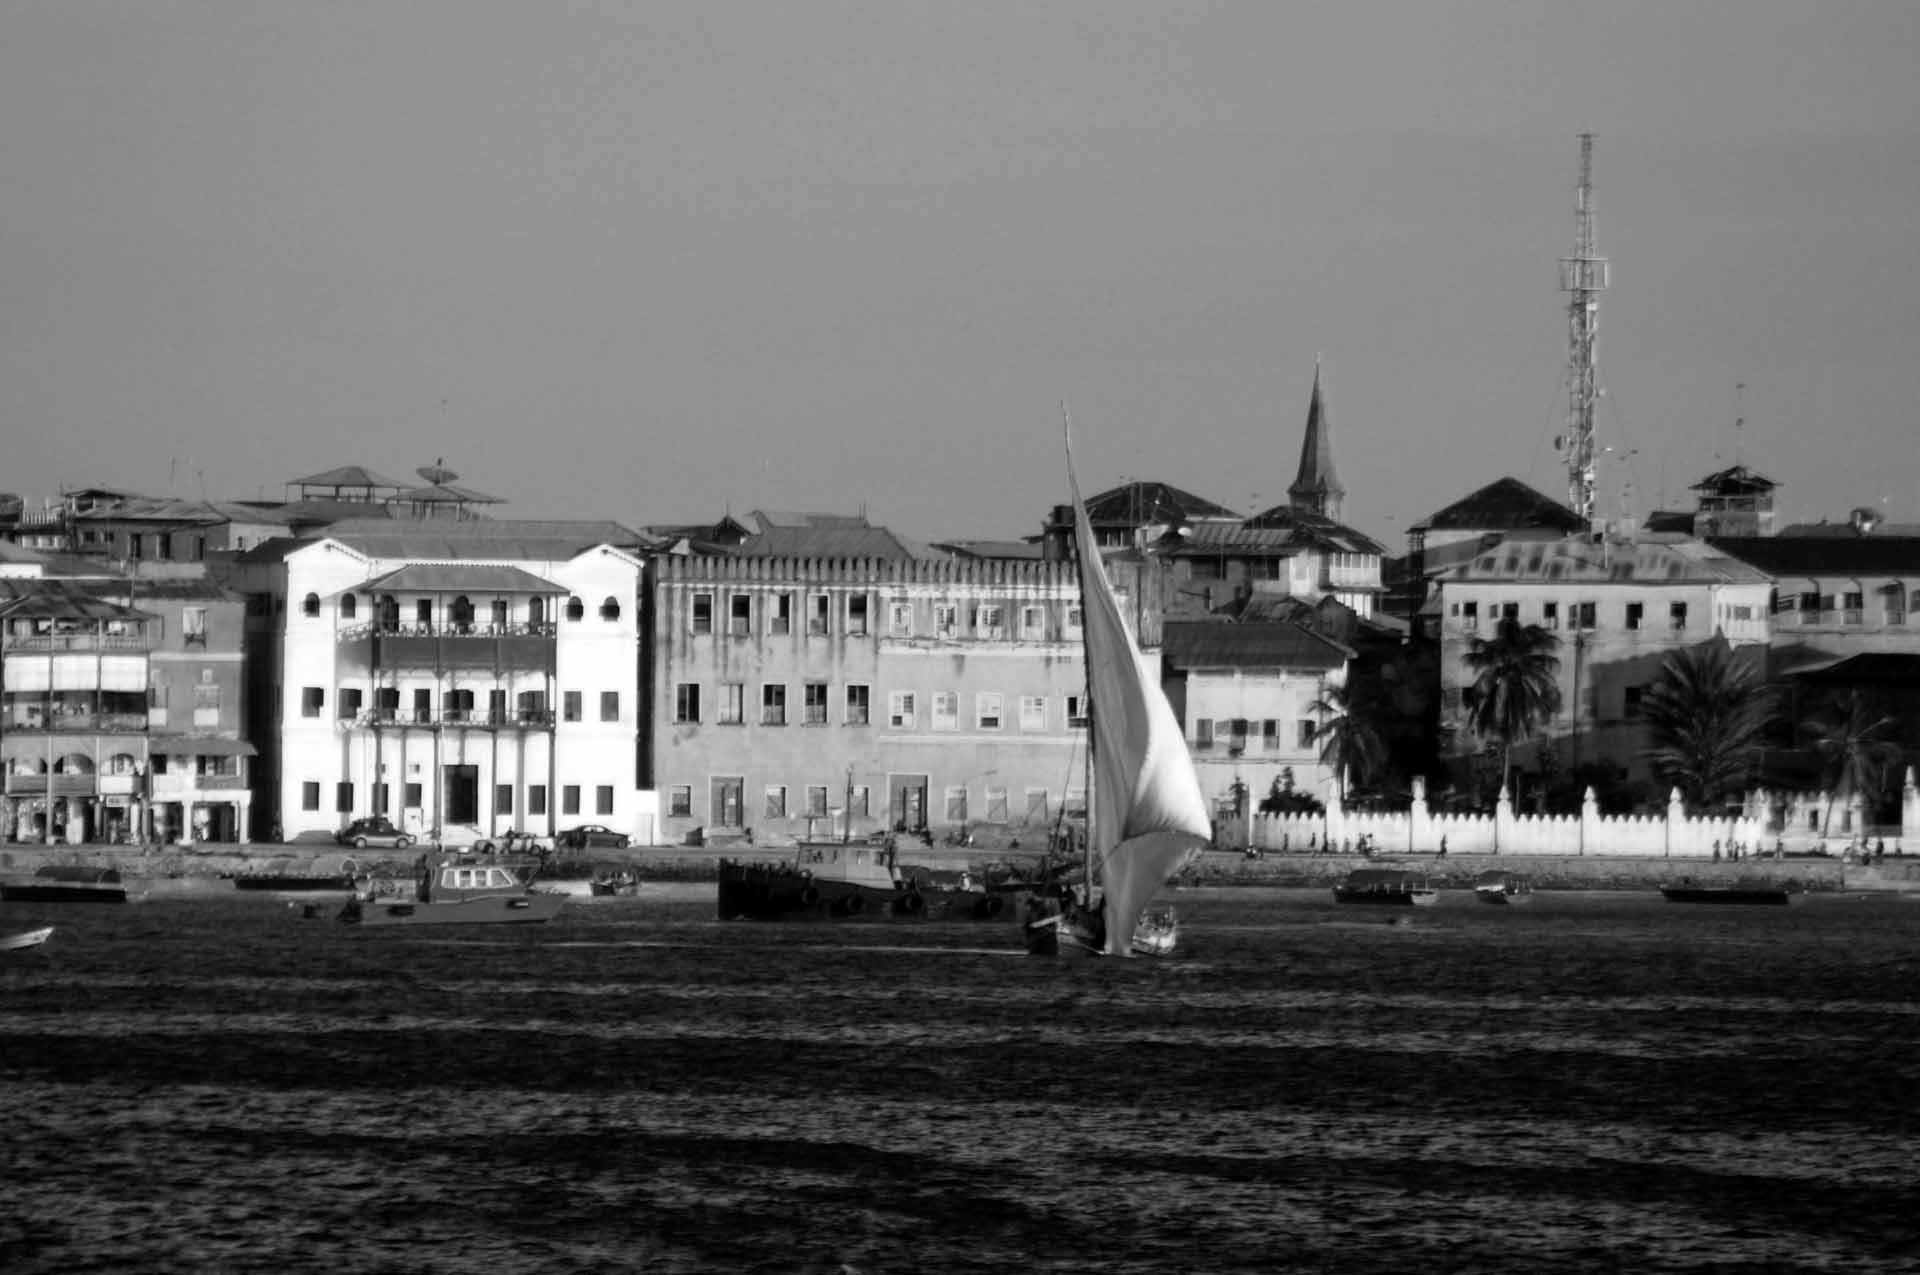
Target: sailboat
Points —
{"points": [[1146, 814]]}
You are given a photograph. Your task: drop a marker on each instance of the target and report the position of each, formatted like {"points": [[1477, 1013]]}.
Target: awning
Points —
{"points": [[201, 746]]}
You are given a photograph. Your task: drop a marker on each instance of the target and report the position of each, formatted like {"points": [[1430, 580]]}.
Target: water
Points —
{"points": [[1595, 1082]]}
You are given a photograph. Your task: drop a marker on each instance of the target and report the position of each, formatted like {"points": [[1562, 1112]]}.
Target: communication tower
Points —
{"points": [[1584, 277]]}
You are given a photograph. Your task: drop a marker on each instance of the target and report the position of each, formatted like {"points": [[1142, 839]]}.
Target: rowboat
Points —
{"points": [[26, 939]]}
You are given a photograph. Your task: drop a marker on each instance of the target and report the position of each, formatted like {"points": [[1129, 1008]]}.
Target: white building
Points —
{"points": [[475, 675]]}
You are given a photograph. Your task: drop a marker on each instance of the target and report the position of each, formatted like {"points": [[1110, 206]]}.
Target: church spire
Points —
{"points": [[1317, 489]]}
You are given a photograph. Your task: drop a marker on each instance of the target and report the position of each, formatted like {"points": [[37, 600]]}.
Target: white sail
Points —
{"points": [[1148, 810]]}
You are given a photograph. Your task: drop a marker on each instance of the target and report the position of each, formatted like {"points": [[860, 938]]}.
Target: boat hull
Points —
{"points": [[1386, 898], [1728, 896], [783, 892], [1504, 898], [26, 941], [62, 892], [286, 884], [498, 909]]}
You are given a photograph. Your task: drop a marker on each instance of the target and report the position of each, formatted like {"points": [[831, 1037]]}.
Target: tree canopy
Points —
{"points": [[1708, 711], [1516, 685]]}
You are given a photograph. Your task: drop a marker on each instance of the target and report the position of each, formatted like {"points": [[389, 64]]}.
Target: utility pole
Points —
{"points": [[1584, 277]]}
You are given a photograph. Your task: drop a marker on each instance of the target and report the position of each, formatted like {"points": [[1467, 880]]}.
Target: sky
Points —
{"points": [[658, 261]]}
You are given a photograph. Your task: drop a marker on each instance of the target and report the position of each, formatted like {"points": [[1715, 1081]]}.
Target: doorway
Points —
{"points": [[462, 795], [907, 802]]}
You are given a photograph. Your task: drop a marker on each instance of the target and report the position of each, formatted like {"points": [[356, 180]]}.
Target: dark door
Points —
{"points": [[909, 804], [463, 795]]}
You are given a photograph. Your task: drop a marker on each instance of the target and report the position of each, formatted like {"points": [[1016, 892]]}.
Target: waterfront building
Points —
{"points": [[458, 676], [1619, 604], [121, 711]]}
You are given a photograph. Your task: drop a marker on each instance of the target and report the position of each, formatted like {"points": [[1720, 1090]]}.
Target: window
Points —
{"points": [[1631, 702], [1469, 615], [816, 613], [857, 801], [536, 799], [570, 799], [497, 706], [458, 705], [312, 700], [603, 799], [775, 805], [343, 797], [1510, 611], [703, 613], [1075, 619], [1076, 712], [740, 614], [989, 622], [310, 605], [423, 613], [1584, 615], [1203, 735], [610, 609], [988, 707], [780, 615], [732, 709], [1033, 623], [1855, 605], [900, 709], [570, 706], [462, 614], [857, 615], [680, 801], [309, 792], [956, 805], [193, 623], [996, 805], [348, 705], [1270, 735], [814, 704], [503, 799], [773, 704], [609, 706], [900, 619], [946, 618], [410, 796], [1550, 615], [1636, 611], [857, 704], [576, 609], [1037, 807], [1303, 733], [946, 710], [1677, 615], [686, 703], [1033, 712], [501, 616], [816, 801]]}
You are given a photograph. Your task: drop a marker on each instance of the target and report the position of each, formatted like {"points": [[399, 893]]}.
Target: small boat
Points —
{"points": [[614, 885], [1147, 815], [1736, 895], [26, 939], [1503, 889], [1386, 887], [835, 880], [1158, 932], [955, 895], [66, 883], [456, 890]]}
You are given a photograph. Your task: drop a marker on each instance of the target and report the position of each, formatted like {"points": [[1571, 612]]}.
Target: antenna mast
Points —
{"points": [[1584, 276]]}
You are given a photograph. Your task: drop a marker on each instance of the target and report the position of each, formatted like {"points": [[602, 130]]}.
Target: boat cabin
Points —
{"points": [[464, 878]]}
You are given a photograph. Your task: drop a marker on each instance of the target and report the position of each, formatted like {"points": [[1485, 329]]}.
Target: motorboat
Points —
{"points": [[456, 890], [1387, 887]]}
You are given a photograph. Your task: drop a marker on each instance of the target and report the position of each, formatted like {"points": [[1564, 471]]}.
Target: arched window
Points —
{"points": [[310, 605], [575, 608], [349, 606], [500, 620], [610, 609]]}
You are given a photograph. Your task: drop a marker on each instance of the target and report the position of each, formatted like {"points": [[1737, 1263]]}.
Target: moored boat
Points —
{"points": [[66, 883], [1386, 887], [456, 890], [1731, 895], [1502, 888], [838, 880]]}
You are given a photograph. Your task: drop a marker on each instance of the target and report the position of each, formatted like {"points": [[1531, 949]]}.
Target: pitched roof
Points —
{"points": [[1735, 480], [1650, 560], [447, 540], [1824, 555], [1316, 530], [829, 542], [347, 476], [1193, 644], [437, 577], [1505, 504], [1145, 503]]}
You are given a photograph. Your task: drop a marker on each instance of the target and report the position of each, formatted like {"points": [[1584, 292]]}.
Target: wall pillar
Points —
{"points": [[1503, 828], [1589, 820], [1676, 817]]}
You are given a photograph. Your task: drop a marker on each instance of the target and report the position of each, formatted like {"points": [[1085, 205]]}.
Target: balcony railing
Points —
{"points": [[54, 642], [81, 723], [400, 719], [462, 632], [54, 785]]}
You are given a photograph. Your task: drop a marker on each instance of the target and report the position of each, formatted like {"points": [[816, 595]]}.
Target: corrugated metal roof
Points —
{"points": [[1506, 504], [1657, 560], [1193, 644], [1823, 555], [486, 578], [347, 476], [1316, 530], [830, 542]]}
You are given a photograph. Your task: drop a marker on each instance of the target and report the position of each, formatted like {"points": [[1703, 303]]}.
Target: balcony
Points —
{"points": [[55, 643], [448, 632], [62, 785], [468, 719], [82, 723]]}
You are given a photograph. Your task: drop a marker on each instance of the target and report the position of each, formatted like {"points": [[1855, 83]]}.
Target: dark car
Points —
{"points": [[374, 831], [591, 835]]}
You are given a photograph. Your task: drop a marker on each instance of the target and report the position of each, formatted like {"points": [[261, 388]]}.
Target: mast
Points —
{"points": [[1080, 582], [1584, 277]]}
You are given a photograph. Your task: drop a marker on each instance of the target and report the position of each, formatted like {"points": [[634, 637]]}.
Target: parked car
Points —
{"points": [[374, 831], [591, 835]]}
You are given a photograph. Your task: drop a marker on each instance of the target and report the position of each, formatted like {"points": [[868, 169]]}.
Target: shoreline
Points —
{"points": [[1214, 868]]}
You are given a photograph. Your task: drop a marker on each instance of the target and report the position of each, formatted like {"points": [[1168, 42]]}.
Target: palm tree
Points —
{"points": [[1708, 711], [1856, 744], [1349, 741], [1516, 685]]}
